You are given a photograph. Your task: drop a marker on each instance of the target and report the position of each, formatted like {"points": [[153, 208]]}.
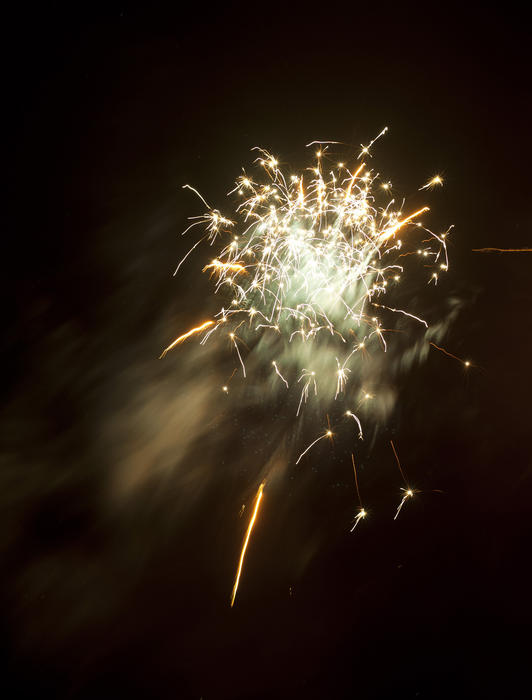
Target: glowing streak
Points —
{"points": [[361, 513], [358, 517], [320, 142], [274, 363], [185, 336], [220, 266], [408, 493], [466, 363], [327, 434], [436, 180], [355, 418], [502, 250], [398, 462], [258, 499], [388, 233], [233, 338], [188, 187], [350, 186], [341, 378], [189, 252], [405, 313]]}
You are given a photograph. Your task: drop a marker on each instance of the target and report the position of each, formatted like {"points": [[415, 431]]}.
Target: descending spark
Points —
{"points": [[189, 187], [466, 363], [502, 250], [357, 421], [398, 462], [436, 180], [233, 339], [341, 378], [185, 336], [258, 499], [327, 434], [310, 378], [408, 493], [358, 517], [361, 513], [274, 363]]}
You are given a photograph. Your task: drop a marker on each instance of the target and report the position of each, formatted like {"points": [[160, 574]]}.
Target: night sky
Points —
{"points": [[122, 476]]}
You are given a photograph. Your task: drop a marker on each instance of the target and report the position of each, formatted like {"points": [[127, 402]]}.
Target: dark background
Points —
{"points": [[119, 589]]}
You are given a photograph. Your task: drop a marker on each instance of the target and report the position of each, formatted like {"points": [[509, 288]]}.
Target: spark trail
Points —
{"points": [[361, 513], [258, 499]]}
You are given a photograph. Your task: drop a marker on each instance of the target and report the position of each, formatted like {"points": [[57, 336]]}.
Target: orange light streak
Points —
{"points": [[185, 336], [246, 540]]}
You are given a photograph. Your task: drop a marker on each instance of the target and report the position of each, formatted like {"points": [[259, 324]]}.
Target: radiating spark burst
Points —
{"points": [[309, 264], [313, 256], [258, 499]]}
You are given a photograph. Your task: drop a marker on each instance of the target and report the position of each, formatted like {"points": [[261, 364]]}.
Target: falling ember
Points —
{"points": [[321, 437], [185, 336], [361, 513], [407, 493], [502, 250], [436, 180], [258, 499], [358, 517], [466, 363]]}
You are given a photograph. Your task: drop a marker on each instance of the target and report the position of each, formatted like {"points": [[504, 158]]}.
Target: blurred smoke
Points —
{"points": [[117, 463]]}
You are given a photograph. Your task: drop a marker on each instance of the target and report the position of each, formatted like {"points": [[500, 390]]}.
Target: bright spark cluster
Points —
{"points": [[310, 263], [311, 255]]}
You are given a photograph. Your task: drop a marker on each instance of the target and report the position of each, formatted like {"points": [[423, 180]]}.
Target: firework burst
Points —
{"points": [[309, 267], [313, 260]]}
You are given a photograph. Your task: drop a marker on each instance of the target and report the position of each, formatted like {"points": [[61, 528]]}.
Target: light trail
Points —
{"points": [[327, 434], [361, 513], [436, 180], [186, 335], [407, 492], [502, 250], [258, 499], [216, 265], [466, 363]]}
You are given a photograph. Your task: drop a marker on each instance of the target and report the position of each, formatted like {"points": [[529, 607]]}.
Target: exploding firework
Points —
{"points": [[309, 267], [312, 261]]}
